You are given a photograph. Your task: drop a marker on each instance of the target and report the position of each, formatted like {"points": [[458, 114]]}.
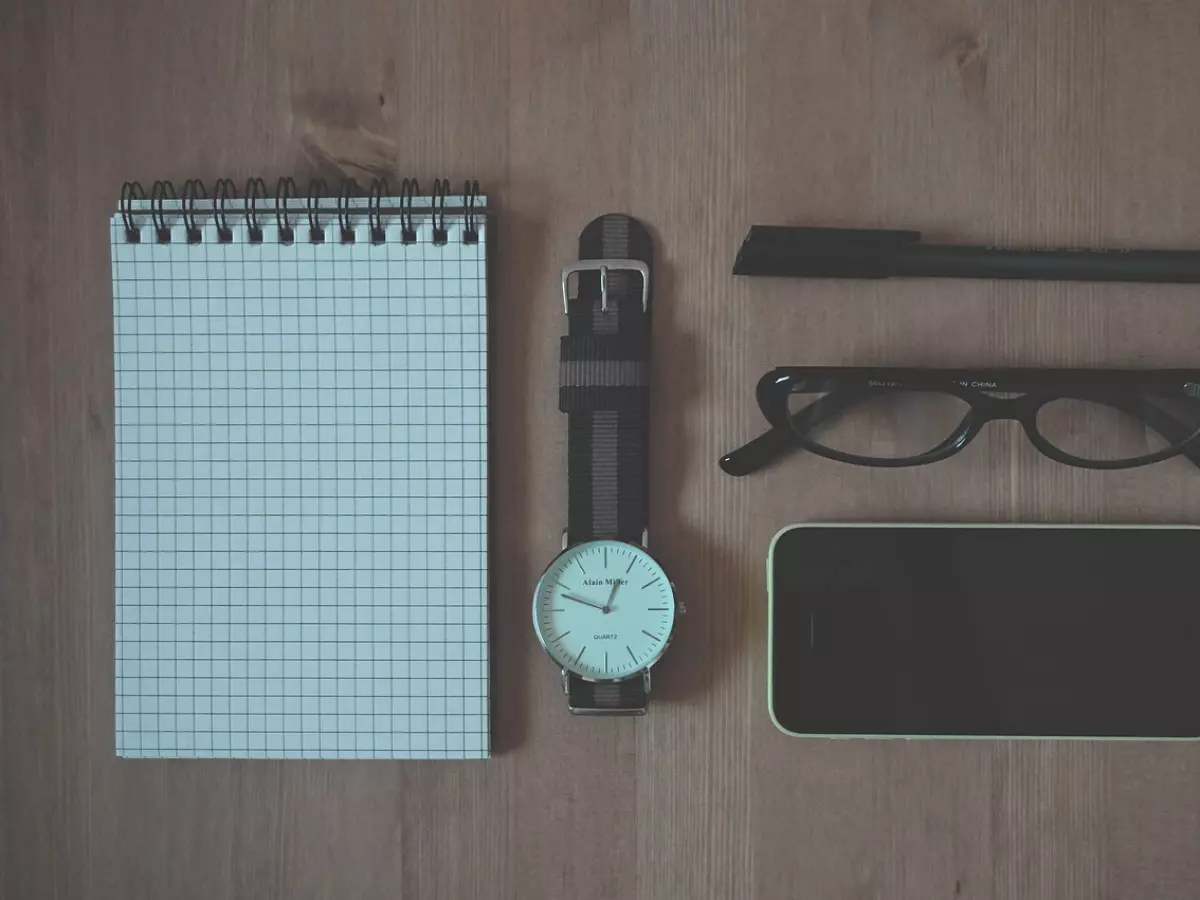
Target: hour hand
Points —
{"points": [[612, 596], [584, 600]]}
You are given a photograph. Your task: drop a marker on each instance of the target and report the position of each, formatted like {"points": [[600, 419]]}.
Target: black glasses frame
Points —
{"points": [[844, 387]]}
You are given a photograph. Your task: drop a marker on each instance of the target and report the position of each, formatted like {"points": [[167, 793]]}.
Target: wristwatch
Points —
{"points": [[605, 609]]}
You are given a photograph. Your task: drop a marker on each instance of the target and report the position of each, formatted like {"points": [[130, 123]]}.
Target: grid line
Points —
{"points": [[301, 495]]}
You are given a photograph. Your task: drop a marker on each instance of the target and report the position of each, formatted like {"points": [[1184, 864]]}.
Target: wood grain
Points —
{"points": [[1058, 121]]}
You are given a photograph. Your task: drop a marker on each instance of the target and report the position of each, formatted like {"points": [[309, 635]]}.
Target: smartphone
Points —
{"points": [[985, 631]]}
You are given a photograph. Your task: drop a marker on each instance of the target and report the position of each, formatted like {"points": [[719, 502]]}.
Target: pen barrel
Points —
{"points": [[1163, 266], [805, 252]]}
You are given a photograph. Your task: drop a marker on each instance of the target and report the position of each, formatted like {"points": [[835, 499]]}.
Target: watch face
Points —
{"points": [[604, 610]]}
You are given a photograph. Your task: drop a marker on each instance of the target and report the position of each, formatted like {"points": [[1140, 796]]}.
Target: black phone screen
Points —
{"points": [[1021, 631]]}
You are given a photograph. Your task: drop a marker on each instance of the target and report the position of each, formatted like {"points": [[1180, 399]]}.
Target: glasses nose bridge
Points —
{"points": [[1000, 409]]}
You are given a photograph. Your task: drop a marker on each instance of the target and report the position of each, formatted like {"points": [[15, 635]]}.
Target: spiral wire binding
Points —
{"points": [[345, 226], [379, 189], [130, 191], [253, 187], [160, 192], [317, 188], [285, 190], [471, 201], [193, 190], [441, 188], [225, 193], [222, 191], [408, 190]]}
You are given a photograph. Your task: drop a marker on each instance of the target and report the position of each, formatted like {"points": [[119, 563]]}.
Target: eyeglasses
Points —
{"points": [[1091, 418]]}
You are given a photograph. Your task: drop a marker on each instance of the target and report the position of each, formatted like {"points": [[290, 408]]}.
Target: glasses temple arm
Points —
{"points": [[757, 453], [770, 445], [1161, 421]]}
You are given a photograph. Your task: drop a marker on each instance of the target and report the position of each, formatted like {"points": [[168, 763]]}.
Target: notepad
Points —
{"points": [[301, 480]]}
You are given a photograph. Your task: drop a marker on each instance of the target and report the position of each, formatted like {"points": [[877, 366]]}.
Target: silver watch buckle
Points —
{"points": [[604, 266]]}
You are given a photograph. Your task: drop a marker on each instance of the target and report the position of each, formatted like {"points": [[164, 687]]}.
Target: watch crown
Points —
{"points": [[681, 607]]}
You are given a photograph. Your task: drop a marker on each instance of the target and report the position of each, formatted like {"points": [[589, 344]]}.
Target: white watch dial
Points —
{"points": [[604, 610]]}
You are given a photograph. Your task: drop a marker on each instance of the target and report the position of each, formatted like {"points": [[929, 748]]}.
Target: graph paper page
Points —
{"points": [[301, 495]]}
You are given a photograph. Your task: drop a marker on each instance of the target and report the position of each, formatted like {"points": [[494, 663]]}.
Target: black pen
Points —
{"points": [[880, 253]]}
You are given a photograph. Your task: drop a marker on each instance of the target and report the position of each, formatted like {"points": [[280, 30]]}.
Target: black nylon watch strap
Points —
{"points": [[604, 386], [613, 698]]}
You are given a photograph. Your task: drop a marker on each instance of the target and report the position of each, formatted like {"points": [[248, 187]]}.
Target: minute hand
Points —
{"points": [[584, 600]]}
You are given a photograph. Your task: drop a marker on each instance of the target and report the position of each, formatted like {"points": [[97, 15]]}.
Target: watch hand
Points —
{"points": [[583, 600], [612, 596]]}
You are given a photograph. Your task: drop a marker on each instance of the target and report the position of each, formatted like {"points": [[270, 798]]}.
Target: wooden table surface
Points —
{"points": [[1052, 122]]}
